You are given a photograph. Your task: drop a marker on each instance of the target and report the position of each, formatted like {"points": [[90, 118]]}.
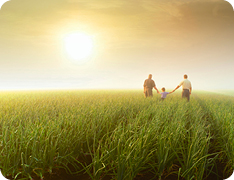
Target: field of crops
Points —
{"points": [[116, 134]]}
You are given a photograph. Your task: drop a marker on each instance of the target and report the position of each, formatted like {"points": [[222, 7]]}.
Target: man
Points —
{"points": [[149, 84], [186, 86]]}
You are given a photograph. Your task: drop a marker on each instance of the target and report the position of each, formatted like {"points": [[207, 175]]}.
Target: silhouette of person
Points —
{"points": [[186, 86], [148, 85]]}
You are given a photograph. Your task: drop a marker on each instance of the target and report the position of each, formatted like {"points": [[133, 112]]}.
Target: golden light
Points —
{"points": [[79, 46]]}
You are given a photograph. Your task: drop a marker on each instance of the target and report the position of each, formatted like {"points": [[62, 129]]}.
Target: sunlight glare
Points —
{"points": [[78, 46]]}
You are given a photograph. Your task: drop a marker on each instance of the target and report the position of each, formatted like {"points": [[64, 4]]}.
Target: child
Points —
{"points": [[164, 94]]}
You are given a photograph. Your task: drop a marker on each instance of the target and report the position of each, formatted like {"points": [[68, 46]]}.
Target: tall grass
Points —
{"points": [[116, 135], [221, 110]]}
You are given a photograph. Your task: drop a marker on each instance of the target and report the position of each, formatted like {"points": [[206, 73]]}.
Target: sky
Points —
{"points": [[131, 39]]}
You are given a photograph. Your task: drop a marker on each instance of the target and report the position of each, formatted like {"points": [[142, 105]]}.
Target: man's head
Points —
{"points": [[150, 76], [163, 89], [185, 76]]}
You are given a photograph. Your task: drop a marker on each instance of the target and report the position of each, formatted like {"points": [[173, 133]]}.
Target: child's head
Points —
{"points": [[163, 89]]}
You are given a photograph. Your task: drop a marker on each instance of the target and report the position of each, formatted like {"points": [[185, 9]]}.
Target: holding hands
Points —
{"points": [[149, 84]]}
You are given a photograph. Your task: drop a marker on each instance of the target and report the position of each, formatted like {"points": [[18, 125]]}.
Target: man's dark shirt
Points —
{"points": [[149, 83]]}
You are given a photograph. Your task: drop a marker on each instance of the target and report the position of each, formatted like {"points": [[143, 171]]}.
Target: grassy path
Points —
{"points": [[115, 135]]}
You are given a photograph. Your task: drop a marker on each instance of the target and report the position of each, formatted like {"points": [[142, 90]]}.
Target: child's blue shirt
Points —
{"points": [[164, 94]]}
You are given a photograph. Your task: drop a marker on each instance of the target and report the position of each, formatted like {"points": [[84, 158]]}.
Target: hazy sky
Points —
{"points": [[131, 39]]}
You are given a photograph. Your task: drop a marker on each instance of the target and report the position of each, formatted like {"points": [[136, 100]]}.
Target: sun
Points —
{"points": [[78, 46]]}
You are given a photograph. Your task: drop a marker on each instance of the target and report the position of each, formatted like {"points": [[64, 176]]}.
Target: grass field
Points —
{"points": [[116, 135]]}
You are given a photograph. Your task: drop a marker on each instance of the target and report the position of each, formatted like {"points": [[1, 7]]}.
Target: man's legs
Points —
{"points": [[186, 94], [148, 92]]}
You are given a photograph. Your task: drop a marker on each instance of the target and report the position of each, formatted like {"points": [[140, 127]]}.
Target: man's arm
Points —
{"points": [[156, 89], [181, 83], [176, 88], [190, 90]]}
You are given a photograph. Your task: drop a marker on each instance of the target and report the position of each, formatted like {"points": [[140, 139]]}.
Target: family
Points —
{"points": [[149, 84]]}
